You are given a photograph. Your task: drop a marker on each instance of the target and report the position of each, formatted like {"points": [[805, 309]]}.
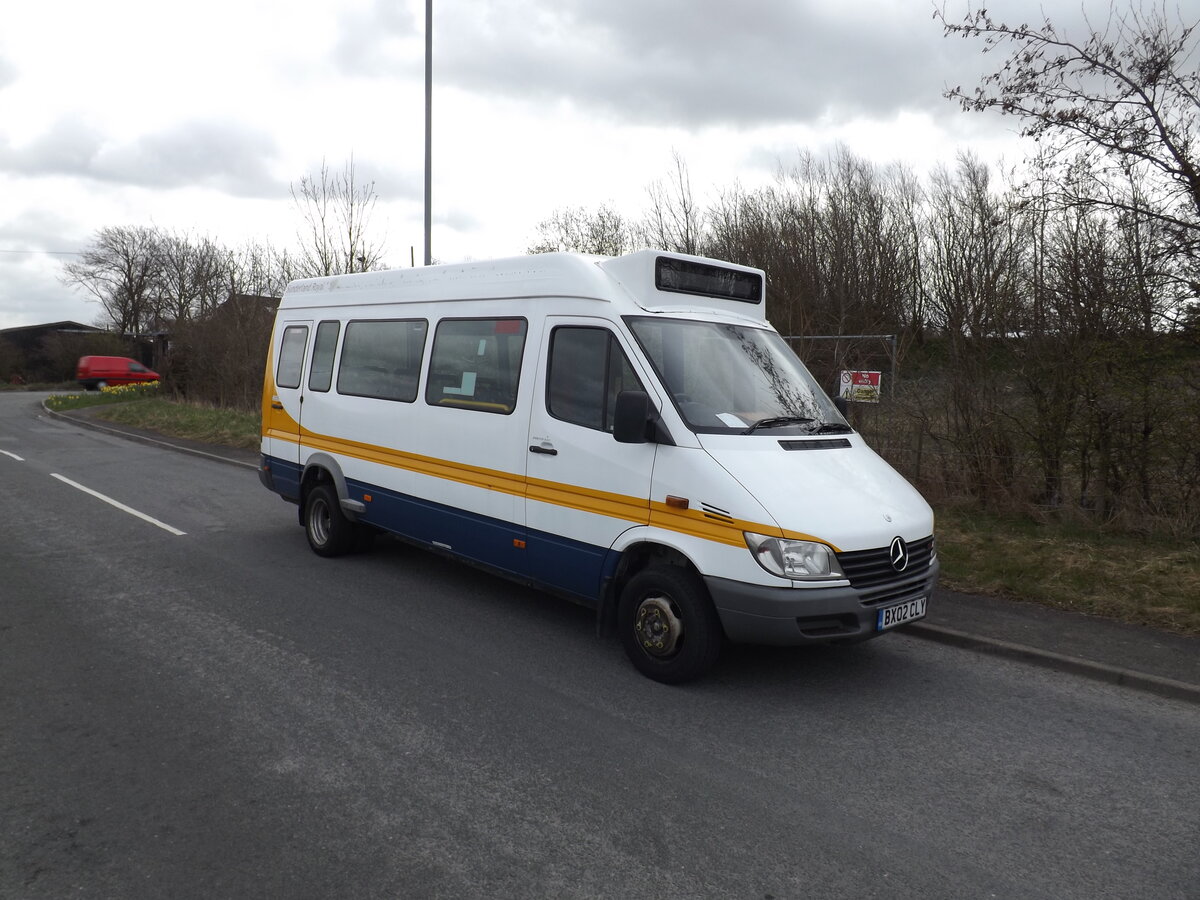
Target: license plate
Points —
{"points": [[892, 616]]}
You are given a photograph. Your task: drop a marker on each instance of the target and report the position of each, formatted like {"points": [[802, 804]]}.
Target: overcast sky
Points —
{"points": [[198, 117]]}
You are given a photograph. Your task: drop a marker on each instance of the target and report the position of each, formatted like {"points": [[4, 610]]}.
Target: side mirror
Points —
{"points": [[630, 417]]}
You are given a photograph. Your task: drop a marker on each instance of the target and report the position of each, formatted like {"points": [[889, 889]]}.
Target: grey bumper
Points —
{"points": [[754, 614]]}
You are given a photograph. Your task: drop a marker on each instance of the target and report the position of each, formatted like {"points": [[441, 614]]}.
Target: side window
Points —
{"points": [[621, 377], [587, 370], [320, 374], [291, 356], [476, 364], [382, 358]]}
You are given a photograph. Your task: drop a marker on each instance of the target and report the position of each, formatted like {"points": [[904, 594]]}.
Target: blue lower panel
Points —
{"points": [[571, 566], [551, 560], [285, 476], [478, 538]]}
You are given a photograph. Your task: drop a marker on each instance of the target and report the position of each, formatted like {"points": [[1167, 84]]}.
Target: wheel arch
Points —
{"points": [[322, 468], [636, 555]]}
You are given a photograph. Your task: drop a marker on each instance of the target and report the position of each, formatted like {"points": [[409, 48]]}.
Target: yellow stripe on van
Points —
{"points": [[601, 503], [640, 510], [475, 476], [801, 536], [697, 523]]}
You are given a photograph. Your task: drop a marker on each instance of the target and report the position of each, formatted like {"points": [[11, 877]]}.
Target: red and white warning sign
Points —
{"points": [[860, 386]]}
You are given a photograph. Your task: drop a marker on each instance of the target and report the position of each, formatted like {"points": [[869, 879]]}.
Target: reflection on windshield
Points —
{"points": [[729, 378]]}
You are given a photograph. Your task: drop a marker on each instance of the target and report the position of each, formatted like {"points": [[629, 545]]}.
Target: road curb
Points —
{"points": [[1153, 684], [146, 439]]}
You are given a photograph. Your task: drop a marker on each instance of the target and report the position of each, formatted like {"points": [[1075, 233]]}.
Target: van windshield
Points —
{"points": [[727, 379]]}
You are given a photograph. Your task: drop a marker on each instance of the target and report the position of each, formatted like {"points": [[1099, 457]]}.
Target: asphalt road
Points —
{"points": [[221, 713]]}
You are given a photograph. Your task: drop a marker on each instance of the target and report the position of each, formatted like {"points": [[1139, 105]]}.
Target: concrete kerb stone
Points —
{"points": [[1153, 684]]}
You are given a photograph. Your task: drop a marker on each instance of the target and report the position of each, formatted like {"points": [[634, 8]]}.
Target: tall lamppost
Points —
{"points": [[428, 131]]}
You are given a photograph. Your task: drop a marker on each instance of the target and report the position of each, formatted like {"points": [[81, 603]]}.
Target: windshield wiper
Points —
{"points": [[777, 421]]}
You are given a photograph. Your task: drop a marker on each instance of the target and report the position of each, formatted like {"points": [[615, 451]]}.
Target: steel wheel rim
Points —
{"points": [[657, 627], [318, 522]]}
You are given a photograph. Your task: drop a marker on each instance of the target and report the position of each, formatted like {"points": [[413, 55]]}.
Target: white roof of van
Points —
{"points": [[628, 281]]}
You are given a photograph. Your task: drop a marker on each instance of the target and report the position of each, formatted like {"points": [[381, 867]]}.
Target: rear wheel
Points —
{"points": [[328, 530], [101, 385], [668, 625]]}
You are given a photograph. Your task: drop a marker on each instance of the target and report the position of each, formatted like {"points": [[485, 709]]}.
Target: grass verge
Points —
{"points": [[1141, 579], [228, 427]]}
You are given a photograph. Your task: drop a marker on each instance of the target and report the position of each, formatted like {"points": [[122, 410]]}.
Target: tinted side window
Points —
{"points": [[320, 375], [476, 364], [621, 377], [291, 356], [382, 359], [587, 370]]}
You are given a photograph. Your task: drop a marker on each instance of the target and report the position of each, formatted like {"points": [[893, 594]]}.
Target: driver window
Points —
{"points": [[587, 370]]}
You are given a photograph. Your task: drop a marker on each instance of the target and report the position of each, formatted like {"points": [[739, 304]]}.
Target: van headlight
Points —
{"points": [[799, 560]]}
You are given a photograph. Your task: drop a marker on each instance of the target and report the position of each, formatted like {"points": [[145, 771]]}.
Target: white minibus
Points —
{"points": [[628, 432]]}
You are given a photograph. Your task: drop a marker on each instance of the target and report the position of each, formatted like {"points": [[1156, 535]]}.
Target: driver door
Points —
{"points": [[583, 488]]}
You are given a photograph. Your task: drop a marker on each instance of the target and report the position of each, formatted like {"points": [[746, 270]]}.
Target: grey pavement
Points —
{"points": [[1137, 657]]}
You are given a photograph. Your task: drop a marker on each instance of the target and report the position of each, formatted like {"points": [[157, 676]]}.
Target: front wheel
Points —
{"points": [[328, 530], [668, 625]]}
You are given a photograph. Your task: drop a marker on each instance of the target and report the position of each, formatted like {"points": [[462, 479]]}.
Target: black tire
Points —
{"points": [[328, 530], [668, 625]]}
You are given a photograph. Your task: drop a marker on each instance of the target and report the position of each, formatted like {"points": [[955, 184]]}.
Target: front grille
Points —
{"points": [[870, 572]]}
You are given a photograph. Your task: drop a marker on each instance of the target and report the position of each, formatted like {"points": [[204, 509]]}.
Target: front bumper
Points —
{"points": [[785, 616]]}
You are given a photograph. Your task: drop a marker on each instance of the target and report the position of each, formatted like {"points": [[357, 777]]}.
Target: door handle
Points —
{"points": [[548, 451], [275, 404]]}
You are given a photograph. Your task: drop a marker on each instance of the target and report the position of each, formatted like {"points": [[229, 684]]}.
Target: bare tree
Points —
{"points": [[973, 247], [259, 268], [602, 231], [675, 221], [190, 276], [119, 271], [336, 209], [1115, 108]]}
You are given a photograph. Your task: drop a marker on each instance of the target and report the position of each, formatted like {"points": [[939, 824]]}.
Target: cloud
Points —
{"points": [[384, 39], [191, 154], [8, 73], [704, 64], [755, 63], [35, 246], [41, 230]]}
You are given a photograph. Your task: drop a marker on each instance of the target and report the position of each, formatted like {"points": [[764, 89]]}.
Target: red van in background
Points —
{"points": [[95, 372]]}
